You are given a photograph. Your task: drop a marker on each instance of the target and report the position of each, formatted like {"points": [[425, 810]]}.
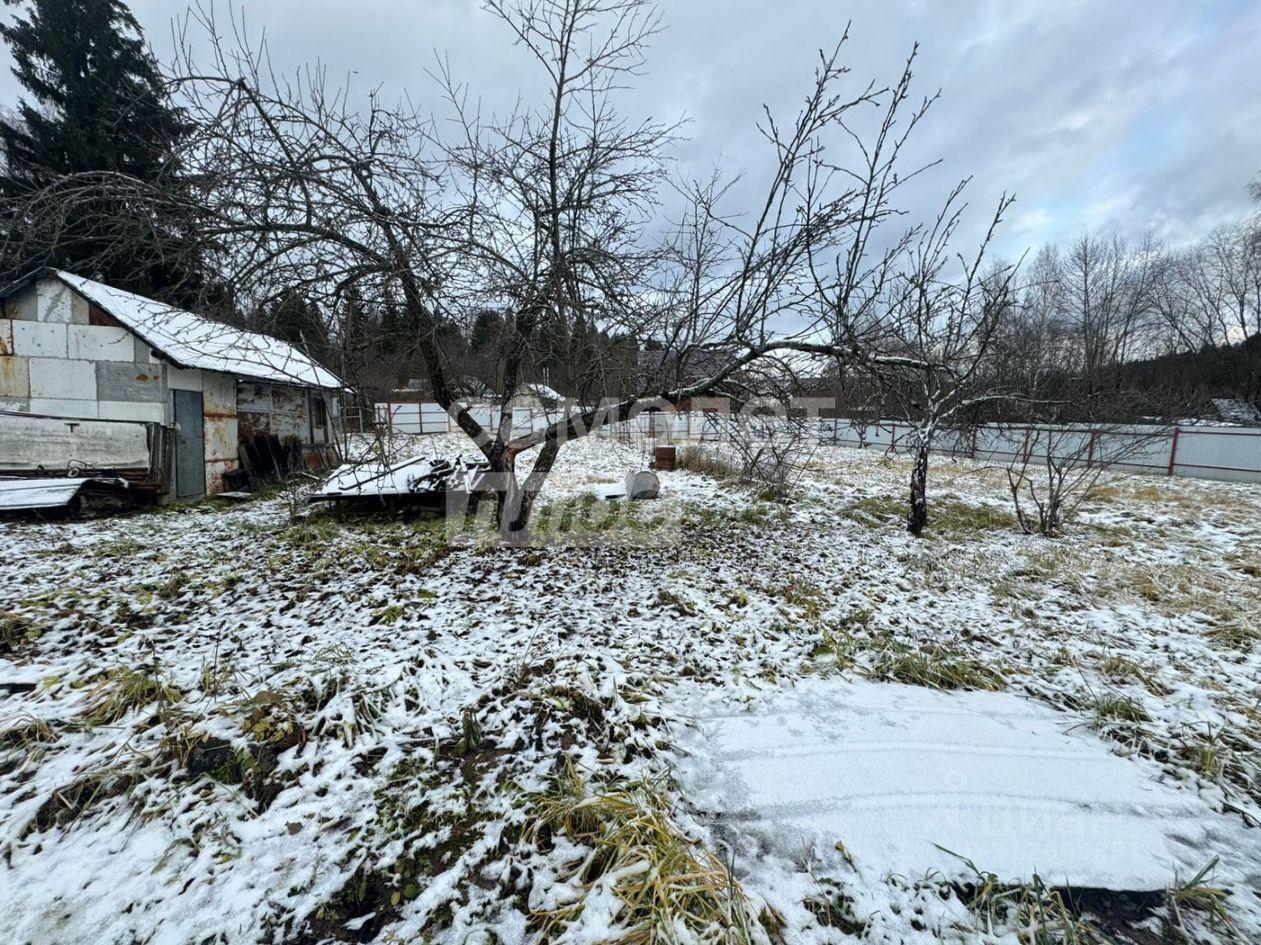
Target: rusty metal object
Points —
{"points": [[664, 458]]}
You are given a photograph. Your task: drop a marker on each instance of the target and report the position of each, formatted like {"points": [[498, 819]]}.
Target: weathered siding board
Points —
{"points": [[61, 356], [57, 407], [274, 409], [220, 429], [183, 378], [129, 381], [59, 361], [253, 398], [56, 303], [154, 412], [100, 343], [31, 441], [22, 305]]}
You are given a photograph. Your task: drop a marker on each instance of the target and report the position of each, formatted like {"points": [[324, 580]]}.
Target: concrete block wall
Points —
{"points": [[54, 361]]}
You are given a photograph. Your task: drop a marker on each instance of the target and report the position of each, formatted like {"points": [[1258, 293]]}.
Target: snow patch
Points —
{"points": [[896, 773]]}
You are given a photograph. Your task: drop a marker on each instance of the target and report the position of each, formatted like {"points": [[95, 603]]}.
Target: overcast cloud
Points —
{"points": [[1099, 114]]}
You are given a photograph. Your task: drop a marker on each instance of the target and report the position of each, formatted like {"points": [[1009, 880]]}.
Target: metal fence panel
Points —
{"points": [[1197, 451]]}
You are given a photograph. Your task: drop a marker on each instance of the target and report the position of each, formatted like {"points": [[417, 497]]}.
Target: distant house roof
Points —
{"points": [[463, 385], [687, 367], [191, 341], [542, 392]]}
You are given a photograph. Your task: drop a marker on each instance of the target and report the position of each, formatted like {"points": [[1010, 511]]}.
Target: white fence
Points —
{"points": [[1232, 454], [431, 418]]}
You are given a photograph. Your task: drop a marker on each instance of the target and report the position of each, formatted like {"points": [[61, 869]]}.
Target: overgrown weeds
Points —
{"points": [[123, 691], [1197, 897], [1241, 632], [16, 631], [936, 667], [832, 907], [1120, 669], [947, 517], [706, 462], [668, 887]]}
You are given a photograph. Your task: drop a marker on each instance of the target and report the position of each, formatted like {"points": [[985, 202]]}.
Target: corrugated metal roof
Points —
{"points": [[195, 342], [19, 494]]}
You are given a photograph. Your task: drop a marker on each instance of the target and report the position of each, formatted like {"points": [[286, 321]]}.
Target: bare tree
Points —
{"points": [[946, 326], [1210, 295], [544, 215], [550, 217], [1056, 466], [1106, 288], [768, 451]]}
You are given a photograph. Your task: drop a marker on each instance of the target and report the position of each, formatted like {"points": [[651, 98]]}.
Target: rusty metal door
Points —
{"points": [[190, 447]]}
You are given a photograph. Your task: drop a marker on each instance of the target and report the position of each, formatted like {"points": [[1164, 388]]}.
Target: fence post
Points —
{"points": [[1173, 450], [1090, 450]]}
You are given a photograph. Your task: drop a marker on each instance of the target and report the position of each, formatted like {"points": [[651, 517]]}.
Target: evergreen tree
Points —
{"points": [[298, 321], [96, 103]]}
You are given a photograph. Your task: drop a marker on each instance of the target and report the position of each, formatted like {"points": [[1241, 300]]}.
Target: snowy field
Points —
{"points": [[220, 726]]}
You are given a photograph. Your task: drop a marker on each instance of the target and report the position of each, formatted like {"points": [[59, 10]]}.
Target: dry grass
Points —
{"points": [[1196, 896], [707, 462], [936, 667], [670, 888], [123, 691], [1036, 913], [947, 517], [16, 631], [1120, 669]]}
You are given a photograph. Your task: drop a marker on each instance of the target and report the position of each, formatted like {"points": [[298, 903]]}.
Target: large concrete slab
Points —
{"points": [[101, 343], [148, 411], [30, 442], [39, 339], [897, 773], [15, 377], [127, 381], [56, 407], [62, 378]]}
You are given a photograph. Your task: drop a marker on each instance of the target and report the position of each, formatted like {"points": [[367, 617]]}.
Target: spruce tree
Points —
{"points": [[96, 103]]}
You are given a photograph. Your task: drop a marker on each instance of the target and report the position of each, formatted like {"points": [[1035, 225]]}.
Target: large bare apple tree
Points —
{"points": [[563, 211]]}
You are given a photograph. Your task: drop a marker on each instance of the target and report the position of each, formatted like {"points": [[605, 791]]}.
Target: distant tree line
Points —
{"points": [[1110, 330]]}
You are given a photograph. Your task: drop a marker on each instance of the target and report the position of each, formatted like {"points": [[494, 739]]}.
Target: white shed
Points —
{"points": [[95, 377]]}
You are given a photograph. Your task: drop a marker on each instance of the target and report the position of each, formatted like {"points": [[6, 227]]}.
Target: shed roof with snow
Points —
{"points": [[192, 341]]}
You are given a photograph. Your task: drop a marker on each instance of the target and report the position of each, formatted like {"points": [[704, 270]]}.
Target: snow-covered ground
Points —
{"points": [[220, 726]]}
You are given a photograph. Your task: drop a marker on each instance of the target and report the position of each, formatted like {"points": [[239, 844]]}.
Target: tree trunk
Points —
{"points": [[918, 516], [515, 501]]}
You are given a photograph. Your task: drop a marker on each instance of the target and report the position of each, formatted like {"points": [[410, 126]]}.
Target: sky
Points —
{"points": [[1126, 116]]}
